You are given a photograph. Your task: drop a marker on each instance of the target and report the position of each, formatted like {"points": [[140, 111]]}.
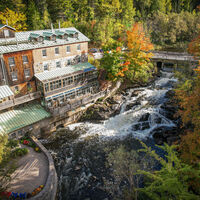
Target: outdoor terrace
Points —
{"points": [[19, 100]]}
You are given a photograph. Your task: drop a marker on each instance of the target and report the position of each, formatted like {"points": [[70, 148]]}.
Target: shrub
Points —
{"points": [[20, 152], [12, 143]]}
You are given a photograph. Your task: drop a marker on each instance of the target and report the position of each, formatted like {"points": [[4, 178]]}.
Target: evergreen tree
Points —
{"points": [[172, 180], [33, 16]]}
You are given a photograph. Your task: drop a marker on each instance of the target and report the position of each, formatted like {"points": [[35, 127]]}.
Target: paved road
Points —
{"points": [[31, 173]]}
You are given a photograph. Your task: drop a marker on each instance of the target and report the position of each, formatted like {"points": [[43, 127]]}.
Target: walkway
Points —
{"points": [[32, 172]]}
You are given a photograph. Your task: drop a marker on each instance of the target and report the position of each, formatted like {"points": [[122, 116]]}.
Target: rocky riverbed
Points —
{"points": [[80, 150]]}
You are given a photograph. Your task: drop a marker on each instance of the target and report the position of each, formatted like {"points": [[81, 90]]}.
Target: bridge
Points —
{"points": [[173, 59], [160, 58], [173, 56]]}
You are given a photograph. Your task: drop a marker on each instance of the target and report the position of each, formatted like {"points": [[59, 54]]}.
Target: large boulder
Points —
{"points": [[165, 134]]}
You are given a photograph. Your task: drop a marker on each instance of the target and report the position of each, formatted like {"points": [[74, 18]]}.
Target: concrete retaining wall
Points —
{"points": [[50, 188]]}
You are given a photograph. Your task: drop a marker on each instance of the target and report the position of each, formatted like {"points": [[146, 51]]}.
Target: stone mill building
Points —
{"points": [[45, 79]]}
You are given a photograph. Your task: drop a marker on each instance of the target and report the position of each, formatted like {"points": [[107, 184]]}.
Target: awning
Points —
{"points": [[21, 117], [5, 91], [53, 74]]}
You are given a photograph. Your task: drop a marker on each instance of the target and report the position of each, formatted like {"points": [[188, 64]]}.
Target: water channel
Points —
{"points": [[79, 149]]}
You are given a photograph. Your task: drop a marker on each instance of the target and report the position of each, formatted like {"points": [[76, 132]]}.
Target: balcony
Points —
{"points": [[20, 100], [75, 103]]}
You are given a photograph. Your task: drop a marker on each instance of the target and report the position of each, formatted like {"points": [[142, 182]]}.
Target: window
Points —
{"points": [[57, 51], [70, 95], [68, 49], [6, 33], [51, 86], [11, 61], [27, 73], [58, 65], [79, 92], [46, 87], [55, 84], [14, 76], [25, 59], [53, 38], [44, 52], [78, 77], [78, 47], [62, 99], [67, 81], [69, 62], [46, 67], [40, 39], [79, 59]]}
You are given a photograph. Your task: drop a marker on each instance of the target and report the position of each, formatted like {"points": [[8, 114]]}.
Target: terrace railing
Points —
{"points": [[20, 100], [73, 104]]}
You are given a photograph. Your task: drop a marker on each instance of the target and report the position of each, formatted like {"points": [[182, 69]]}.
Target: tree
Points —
{"points": [[124, 165], [16, 20], [33, 16], [188, 96], [133, 64], [113, 64], [173, 180], [138, 56]]}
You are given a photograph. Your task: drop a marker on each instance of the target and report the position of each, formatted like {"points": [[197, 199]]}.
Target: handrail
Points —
{"points": [[20, 100], [71, 105]]}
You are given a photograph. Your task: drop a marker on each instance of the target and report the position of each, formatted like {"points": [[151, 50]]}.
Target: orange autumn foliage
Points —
{"points": [[137, 39], [189, 102], [118, 49], [138, 55]]}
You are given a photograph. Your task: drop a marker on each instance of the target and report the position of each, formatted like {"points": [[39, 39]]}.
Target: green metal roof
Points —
{"points": [[4, 25], [60, 33], [35, 35], [21, 40], [20, 117], [70, 32], [48, 34], [53, 74]]}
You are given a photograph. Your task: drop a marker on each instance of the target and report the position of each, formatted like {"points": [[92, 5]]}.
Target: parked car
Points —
{"points": [[101, 50], [93, 50]]}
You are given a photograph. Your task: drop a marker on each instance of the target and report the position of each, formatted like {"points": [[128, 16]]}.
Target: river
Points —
{"points": [[79, 150]]}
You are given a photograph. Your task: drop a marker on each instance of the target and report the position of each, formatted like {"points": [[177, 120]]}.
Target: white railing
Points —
{"points": [[73, 104], [20, 100]]}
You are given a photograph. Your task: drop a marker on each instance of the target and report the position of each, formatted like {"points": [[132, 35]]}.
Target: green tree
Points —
{"points": [[124, 165], [172, 180], [33, 16], [16, 20]]}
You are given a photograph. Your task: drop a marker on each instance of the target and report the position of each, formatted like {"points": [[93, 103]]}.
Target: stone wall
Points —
{"points": [[50, 188]]}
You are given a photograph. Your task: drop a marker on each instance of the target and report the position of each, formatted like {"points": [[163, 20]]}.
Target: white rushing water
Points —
{"points": [[143, 115]]}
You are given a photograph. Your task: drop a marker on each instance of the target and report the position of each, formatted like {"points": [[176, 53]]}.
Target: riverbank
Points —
{"points": [[80, 150]]}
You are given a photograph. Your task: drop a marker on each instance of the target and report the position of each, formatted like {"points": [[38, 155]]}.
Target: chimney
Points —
{"points": [[7, 22], [59, 24], [51, 27]]}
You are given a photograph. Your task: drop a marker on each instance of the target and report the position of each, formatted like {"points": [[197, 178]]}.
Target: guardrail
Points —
{"points": [[167, 55], [20, 100], [73, 104], [50, 188]]}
